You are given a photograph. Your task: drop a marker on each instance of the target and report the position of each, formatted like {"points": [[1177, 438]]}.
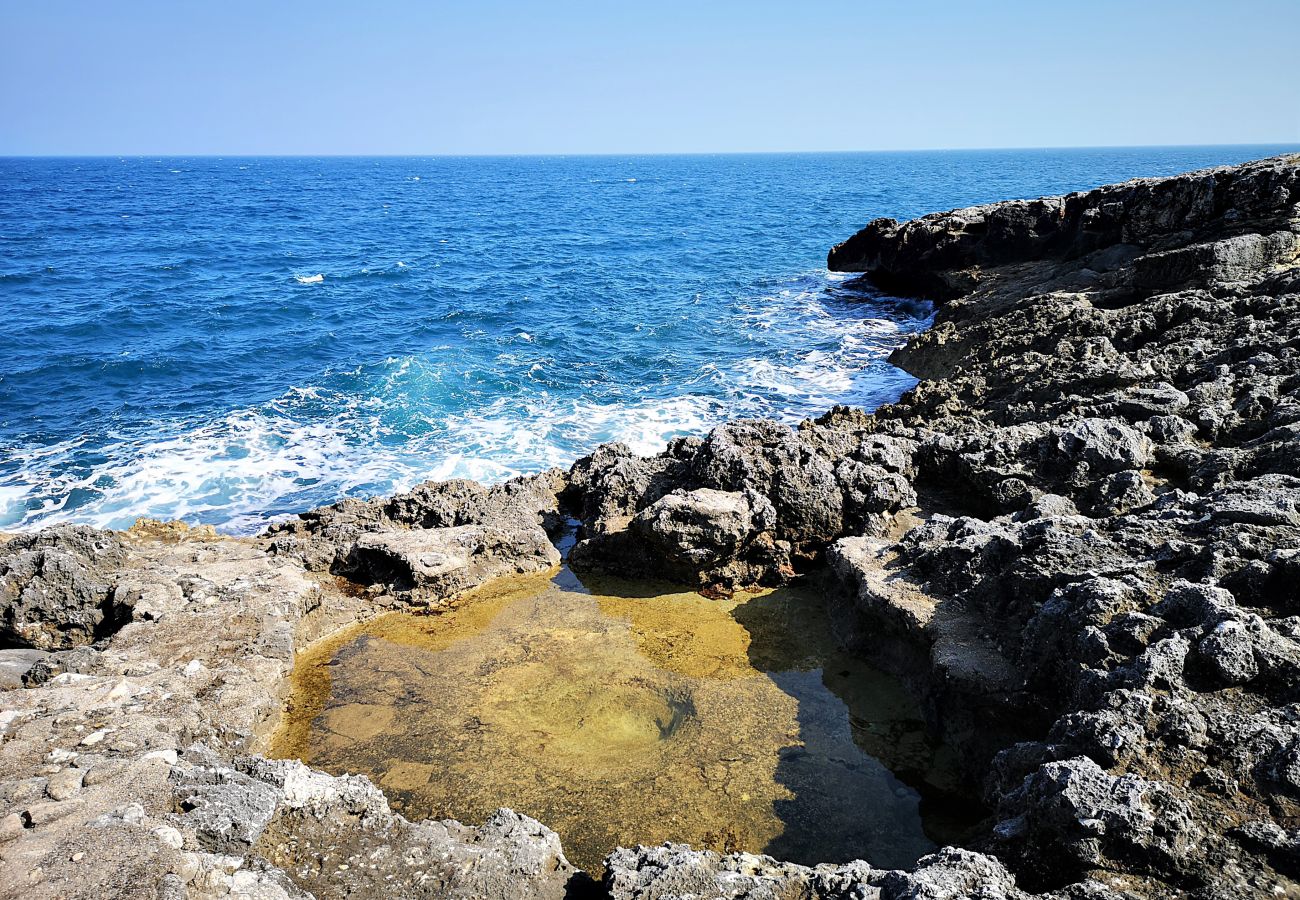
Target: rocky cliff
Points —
{"points": [[1077, 539]]}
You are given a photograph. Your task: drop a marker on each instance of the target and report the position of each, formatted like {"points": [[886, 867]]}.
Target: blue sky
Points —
{"points": [[483, 76]]}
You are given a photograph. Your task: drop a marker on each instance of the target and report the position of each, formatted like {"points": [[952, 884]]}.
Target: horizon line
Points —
{"points": [[589, 154]]}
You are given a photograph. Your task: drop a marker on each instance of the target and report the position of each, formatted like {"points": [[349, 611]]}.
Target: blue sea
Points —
{"points": [[230, 341]]}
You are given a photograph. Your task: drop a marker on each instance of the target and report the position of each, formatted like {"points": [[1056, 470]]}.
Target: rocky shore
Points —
{"points": [[1077, 540]]}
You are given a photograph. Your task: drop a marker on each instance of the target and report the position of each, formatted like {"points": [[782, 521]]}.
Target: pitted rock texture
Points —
{"points": [[1110, 423], [337, 836], [433, 541], [53, 591], [792, 491]]}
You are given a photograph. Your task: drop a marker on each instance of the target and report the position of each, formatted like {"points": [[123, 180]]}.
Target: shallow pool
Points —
{"points": [[620, 713]]}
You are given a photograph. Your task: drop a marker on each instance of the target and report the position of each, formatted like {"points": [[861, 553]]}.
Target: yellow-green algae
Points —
{"points": [[631, 714]]}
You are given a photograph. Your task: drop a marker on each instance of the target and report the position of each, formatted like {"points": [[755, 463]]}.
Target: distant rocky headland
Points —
{"points": [[1077, 540]]}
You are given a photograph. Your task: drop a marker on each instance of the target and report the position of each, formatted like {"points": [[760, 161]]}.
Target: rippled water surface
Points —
{"points": [[628, 715], [229, 340]]}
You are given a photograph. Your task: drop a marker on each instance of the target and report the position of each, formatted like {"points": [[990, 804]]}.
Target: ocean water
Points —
{"points": [[229, 341]]}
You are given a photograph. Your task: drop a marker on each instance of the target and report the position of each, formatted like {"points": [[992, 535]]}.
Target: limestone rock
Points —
{"points": [[56, 588], [440, 562]]}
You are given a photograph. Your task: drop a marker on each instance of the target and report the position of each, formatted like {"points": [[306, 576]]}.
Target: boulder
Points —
{"points": [[441, 562], [57, 588]]}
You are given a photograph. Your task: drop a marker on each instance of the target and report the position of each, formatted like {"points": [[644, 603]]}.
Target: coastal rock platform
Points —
{"points": [[1077, 540]]}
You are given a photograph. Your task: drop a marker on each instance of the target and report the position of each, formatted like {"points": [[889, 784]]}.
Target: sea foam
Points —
{"points": [[375, 430]]}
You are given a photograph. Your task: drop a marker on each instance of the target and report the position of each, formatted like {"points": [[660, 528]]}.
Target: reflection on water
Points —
{"points": [[630, 714]]}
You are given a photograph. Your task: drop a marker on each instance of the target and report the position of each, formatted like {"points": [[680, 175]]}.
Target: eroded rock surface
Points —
{"points": [[433, 541], [56, 590]]}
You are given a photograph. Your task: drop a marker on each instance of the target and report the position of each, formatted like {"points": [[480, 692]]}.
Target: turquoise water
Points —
{"points": [[232, 340]]}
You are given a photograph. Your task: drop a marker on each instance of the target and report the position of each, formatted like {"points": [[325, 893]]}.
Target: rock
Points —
{"points": [[803, 488], [287, 814], [11, 827], [943, 255], [39, 815], [702, 537], [952, 874], [1229, 653], [1103, 445], [56, 588], [64, 783], [14, 666], [1074, 813], [441, 562], [323, 538], [703, 527], [675, 871]]}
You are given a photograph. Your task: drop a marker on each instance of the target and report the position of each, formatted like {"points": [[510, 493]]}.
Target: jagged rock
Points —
{"points": [[1074, 813], [323, 539], [803, 488], [57, 588], [673, 871], [703, 527], [1103, 445], [337, 836], [944, 255]]}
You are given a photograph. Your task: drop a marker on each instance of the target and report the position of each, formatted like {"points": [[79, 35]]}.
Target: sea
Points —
{"points": [[231, 340]]}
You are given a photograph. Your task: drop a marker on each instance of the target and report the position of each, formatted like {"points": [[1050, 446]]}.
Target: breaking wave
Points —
{"points": [[386, 427]]}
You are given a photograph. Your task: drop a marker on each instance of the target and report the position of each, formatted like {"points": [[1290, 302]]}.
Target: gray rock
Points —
{"points": [[1074, 811], [56, 588], [703, 527], [440, 562], [1104, 445], [337, 836]]}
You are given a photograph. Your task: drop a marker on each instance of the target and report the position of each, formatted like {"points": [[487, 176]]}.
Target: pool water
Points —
{"points": [[620, 713]]}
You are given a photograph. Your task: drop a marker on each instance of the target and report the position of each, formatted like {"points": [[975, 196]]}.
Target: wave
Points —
{"points": [[255, 466], [374, 430]]}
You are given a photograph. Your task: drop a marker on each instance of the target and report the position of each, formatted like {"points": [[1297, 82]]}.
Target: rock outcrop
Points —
{"points": [[434, 541], [56, 590], [1077, 539]]}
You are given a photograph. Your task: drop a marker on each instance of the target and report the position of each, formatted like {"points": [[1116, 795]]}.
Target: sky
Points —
{"points": [[486, 76]]}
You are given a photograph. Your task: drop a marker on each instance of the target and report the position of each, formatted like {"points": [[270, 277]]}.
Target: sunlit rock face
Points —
{"points": [[626, 716]]}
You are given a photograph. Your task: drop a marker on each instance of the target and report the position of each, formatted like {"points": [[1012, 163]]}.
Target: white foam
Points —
{"points": [[371, 437]]}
